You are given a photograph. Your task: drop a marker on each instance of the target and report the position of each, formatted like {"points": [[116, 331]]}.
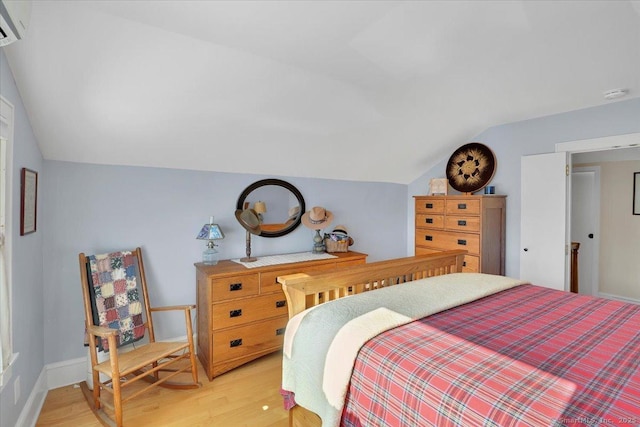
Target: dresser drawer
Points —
{"points": [[430, 221], [241, 311], [444, 240], [248, 339], [234, 287], [463, 207], [471, 264], [429, 206], [269, 283], [462, 223]]}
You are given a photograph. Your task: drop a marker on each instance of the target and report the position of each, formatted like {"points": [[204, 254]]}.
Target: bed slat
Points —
{"points": [[304, 290]]}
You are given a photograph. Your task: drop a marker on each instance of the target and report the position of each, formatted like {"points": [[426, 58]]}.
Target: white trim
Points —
{"points": [[67, 372], [33, 406], [595, 268], [5, 375], [598, 144], [618, 298], [7, 111]]}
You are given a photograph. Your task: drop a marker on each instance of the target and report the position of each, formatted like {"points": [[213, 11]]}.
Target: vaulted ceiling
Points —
{"points": [[357, 90]]}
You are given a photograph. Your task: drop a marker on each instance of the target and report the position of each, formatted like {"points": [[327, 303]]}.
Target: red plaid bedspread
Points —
{"points": [[428, 372]]}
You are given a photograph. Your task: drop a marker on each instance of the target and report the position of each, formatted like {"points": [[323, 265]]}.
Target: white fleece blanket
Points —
{"points": [[321, 343]]}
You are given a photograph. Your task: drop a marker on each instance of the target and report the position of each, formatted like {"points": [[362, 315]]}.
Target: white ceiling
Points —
{"points": [[357, 90]]}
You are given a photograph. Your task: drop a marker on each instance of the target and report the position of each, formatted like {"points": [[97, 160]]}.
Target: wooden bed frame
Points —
{"points": [[306, 290]]}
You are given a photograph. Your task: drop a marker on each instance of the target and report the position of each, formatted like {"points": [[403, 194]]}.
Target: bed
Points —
{"points": [[433, 346]]}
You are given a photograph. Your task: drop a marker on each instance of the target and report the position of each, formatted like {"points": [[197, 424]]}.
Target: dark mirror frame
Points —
{"points": [[280, 183]]}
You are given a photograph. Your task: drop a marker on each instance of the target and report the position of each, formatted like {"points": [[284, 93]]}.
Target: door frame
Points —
{"points": [[614, 142], [595, 266]]}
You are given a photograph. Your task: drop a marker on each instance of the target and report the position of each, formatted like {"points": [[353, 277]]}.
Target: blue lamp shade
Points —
{"points": [[210, 232]]}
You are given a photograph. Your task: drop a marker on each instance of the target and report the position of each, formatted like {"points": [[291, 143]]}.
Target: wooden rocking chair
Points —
{"points": [[117, 313]]}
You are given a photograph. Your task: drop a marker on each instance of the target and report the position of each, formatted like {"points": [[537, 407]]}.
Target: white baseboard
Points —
{"points": [[31, 410], [618, 297], [73, 371], [65, 373]]}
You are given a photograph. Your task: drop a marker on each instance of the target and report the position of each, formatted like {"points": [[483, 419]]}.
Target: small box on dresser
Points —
{"points": [[242, 312], [474, 223]]}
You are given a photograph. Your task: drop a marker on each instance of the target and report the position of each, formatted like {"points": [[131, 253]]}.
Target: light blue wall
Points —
{"points": [[95, 209], [511, 141], [26, 262]]}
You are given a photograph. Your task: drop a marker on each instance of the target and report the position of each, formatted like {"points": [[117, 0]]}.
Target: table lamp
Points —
{"points": [[260, 207], [210, 232]]}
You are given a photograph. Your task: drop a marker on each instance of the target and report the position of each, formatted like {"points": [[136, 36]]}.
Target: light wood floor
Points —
{"points": [[246, 396]]}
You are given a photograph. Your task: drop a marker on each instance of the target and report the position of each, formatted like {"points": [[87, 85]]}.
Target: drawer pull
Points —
{"points": [[462, 223], [429, 220], [235, 343], [235, 313], [429, 238], [462, 242], [429, 206], [464, 263], [280, 331], [462, 206], [235, 287], [281, 303]]}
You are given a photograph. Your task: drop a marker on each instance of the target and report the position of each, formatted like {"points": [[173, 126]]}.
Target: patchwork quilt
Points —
{"points": [[115, 298]]}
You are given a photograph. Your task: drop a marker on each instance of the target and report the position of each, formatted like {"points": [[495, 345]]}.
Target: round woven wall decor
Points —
{"points": [[471, 167]]}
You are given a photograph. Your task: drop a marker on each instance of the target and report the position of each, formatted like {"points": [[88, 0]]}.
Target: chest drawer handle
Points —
{"points": [[235, 313], [235, 343], [462, 206], [429, 220], [462, 223], [429, 238], [462, 242], [429, 206], [281, 303], [235, 287], [280, 331]]}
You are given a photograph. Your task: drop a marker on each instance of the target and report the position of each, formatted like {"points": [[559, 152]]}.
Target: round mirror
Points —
{"points": [[279, 206]]}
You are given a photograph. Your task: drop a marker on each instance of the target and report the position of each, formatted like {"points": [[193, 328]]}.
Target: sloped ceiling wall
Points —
{"points": [[368, 90]]}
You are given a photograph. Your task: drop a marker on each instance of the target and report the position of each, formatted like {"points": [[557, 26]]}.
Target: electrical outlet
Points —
{"points": [[16, 390]]}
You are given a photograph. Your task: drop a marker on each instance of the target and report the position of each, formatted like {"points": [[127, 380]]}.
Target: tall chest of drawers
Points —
{"points": [[242, 312], [474, 223]]}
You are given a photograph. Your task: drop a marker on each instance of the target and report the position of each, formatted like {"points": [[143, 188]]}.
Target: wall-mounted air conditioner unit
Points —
{"points": [[14, 20]]}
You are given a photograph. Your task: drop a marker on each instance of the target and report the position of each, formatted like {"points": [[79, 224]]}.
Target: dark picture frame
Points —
{"points": [[636, 193], [28, 201]]}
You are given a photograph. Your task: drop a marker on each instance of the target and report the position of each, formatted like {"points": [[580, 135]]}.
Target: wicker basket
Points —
{"points": [[336, 246]]}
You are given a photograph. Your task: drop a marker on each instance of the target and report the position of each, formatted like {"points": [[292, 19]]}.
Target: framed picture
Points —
{"points": [[636, 193], [28, 201]]}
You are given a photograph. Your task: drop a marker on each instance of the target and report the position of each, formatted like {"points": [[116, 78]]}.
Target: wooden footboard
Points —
{"points": [[306, 290]]}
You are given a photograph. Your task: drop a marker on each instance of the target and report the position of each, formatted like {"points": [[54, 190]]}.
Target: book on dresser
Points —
{"points": [[242, 312], [474, 223]]}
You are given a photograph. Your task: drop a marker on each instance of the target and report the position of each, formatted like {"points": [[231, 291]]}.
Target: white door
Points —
{"points": [[585, 210], [543, 225]]}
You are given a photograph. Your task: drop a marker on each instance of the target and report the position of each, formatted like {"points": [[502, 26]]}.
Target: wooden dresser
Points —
{"points": [[474, 223], [242, 312]]}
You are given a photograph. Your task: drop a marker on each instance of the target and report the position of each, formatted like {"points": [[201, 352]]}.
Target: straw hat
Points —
{"points": [[341, 230], [248, 218], [317, 218]]}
